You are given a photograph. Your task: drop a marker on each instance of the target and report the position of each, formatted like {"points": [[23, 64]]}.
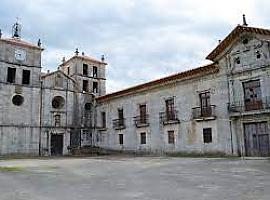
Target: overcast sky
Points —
{"points": [[141, 39]]}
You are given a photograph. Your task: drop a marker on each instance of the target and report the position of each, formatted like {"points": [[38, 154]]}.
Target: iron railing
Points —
{"points": [[141, 120], [119, 124], [204, 112], [169, 117], [252, 105]]}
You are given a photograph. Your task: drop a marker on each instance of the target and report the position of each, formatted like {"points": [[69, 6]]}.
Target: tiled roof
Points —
{"points": [[20, 43], [232, 36], [207, 69], [87, 58]]}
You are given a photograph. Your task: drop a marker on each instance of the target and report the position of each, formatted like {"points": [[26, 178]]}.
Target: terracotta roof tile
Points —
{"points": [[232, 36], [211, 68]]}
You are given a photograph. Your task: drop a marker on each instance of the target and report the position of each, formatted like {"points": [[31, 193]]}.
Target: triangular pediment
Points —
{"points": [[233, 37]]}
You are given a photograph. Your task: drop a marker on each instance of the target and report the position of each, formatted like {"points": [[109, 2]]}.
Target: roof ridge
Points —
{"points": [[166, 79]]}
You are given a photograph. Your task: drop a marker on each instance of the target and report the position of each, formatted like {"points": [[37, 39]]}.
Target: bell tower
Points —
{"points": [[20, 70]]}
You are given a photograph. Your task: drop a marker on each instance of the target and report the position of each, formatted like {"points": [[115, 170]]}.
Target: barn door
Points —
{"points": [[257, 141]]}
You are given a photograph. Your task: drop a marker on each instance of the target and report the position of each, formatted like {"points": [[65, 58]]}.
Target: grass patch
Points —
{"points": [[10, 169]]}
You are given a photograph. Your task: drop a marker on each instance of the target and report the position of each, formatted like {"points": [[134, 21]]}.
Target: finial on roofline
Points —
{"points": [[244, 20], [102, 58], [39, 43], [77, 52], [16, 29]]}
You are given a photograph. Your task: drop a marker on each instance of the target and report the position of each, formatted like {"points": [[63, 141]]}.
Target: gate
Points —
{"points": [[257, 140]]}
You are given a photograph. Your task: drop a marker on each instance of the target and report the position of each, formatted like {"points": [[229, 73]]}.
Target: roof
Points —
{"points": [[232, 36], [45, 75], [20, 43], [207, 69], [87, 58]]}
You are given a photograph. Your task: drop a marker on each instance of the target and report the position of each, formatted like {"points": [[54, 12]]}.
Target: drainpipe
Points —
{"points": [[229, 102], [40, 117], [231, 137], [94, 119], [67, 88]]}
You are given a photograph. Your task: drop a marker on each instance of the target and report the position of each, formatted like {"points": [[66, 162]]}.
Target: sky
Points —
{"points": [[142, 40]]}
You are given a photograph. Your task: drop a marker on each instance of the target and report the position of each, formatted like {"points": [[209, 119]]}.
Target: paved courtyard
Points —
{"points": [[134, 178]]}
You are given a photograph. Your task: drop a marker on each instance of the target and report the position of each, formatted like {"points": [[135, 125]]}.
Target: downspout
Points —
{"points": [[229, 103], [94, 118], [40, 117], [67, 85]]}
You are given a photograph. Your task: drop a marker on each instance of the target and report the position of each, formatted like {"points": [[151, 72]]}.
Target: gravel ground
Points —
{"points": [[145, 178]]}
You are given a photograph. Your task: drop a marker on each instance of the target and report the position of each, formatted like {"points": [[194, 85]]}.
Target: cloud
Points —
{"points": [[142, 39]]}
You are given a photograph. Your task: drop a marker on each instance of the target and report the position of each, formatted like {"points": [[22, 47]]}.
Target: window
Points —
{"points": [[85, 69], [68, 70], [95, 87], [85, 86], [58, 102], [171, 137], [120, 113], [207, 135], [170, 109], [11, 75], [252, 95], [26, 77], [87, 106], [17, 100], [205, 99], [121, 116], [142, 113], [95, 71], [57, 119], [103, 119], [121, 139], [87, 114], [143, 138], [205, 104]]}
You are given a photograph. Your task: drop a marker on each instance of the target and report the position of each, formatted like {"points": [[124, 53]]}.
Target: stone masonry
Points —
{"points": [[222, 107]]}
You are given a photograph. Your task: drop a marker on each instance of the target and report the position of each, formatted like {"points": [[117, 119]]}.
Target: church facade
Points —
{"points": [[222, 107]]}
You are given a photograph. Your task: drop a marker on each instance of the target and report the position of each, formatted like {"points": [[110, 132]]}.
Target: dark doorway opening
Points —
{"points": [[56, 144]]}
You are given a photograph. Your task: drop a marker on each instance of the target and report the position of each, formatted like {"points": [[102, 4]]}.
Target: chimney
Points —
{"points": [[82, 53], [0, 33], [48, 71], [63, 59]]}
